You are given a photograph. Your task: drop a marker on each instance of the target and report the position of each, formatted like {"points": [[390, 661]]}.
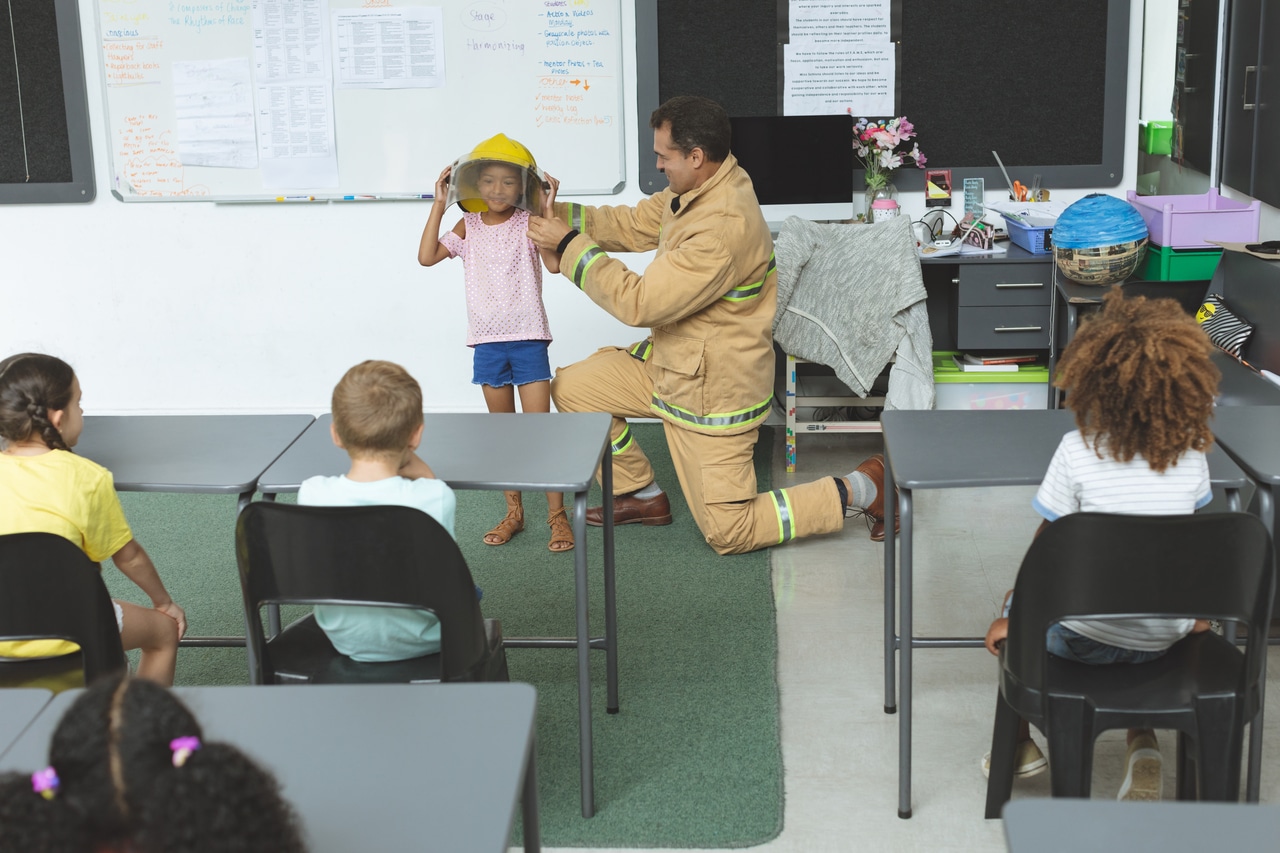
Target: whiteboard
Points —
{"points": [[267, 100]]}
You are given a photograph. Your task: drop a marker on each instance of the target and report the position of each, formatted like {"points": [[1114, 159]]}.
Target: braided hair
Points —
{"points": [[1139, 377], [122, 784], [31, 386]]}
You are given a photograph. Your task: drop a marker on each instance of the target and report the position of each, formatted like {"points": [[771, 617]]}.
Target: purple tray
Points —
{"points": [[1188, 221]]}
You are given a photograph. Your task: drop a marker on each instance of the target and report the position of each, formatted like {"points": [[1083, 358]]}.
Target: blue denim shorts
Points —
{"points": [[1064, 643], [1067, 644], [511, 363]]}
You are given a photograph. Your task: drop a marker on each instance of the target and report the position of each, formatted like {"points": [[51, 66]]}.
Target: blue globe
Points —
{"points": [[1099, 240]]}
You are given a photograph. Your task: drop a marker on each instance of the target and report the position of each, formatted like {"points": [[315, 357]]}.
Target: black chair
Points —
{"points": [[1210, 566], [390, 556], [49, 589]]}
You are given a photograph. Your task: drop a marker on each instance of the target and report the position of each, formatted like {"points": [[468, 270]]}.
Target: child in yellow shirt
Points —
{"points": [[46, 488]]}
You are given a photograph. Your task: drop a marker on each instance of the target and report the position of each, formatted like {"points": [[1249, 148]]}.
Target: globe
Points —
{"points": [[1099, 240]]}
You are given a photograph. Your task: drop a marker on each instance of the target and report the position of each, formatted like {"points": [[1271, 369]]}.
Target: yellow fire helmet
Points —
{"points": [[464, 179]]}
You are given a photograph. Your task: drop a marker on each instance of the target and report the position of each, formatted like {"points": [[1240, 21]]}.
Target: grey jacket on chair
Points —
{"points": [[852, 297]]}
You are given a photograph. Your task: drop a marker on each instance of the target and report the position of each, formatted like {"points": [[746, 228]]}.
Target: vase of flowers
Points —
{"points": [[883, 146]]}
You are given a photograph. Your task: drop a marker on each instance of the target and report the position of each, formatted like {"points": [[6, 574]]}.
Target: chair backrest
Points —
{"points": [[49, 589], [1209, 566], [392, 555]]}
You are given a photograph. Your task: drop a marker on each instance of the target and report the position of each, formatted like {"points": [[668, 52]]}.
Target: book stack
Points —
{"points": [[1005, 362]]}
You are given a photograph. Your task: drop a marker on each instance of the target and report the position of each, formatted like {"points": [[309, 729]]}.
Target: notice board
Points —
{"points": [[261, 100], [45, 150], [1043, 82]]}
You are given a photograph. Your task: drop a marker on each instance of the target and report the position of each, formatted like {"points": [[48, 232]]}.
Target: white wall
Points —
{"points": [[197, 307]]}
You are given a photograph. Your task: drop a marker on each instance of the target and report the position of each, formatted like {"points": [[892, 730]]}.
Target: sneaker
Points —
{"points": [[1027, 761], [1144, 781]]}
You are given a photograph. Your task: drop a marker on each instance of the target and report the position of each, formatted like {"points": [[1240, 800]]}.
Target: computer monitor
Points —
{"points": [[800, 165]]}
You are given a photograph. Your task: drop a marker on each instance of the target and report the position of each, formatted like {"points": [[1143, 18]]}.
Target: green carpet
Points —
{"points": [[692, 760]]}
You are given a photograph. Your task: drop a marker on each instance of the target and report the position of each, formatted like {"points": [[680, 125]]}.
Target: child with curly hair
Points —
{"points": [[130, 770], [1142, 385]]}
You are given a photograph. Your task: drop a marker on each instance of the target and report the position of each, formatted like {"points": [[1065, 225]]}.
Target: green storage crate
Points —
{"points": [[954, 388], [1155, 137], [1166, 264]]}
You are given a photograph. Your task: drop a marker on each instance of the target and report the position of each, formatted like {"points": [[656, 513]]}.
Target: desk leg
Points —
{"points": [[1053, 339], [530, 821], [890, 636], [1253, 780], [907, 634], [584, 653], [610, 588]]}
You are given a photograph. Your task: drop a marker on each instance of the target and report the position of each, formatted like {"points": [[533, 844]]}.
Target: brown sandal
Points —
{"points": [[511, 524], [561, 532]]}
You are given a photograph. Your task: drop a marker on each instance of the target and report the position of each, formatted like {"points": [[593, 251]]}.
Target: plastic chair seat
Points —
{"points": [[302, 653], [1198, 667]]}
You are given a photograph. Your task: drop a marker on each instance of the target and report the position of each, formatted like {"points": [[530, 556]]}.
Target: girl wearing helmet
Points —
{"points": [[497, 185]]}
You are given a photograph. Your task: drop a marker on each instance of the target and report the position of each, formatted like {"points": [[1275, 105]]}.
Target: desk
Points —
{"points": [[1248, 434], [1066, 825], [190, 454], [964, 449], [1069, 295], [18, 707], [405, 765], [527, 452]]}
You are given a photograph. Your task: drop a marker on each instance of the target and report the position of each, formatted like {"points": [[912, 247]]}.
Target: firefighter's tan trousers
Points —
{"points": [[715, 471]]}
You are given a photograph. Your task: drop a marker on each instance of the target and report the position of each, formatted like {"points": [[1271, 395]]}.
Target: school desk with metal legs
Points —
{"points": [[957, 450], [1066, 825], [371, 766], [190, 454], [556, 452], [18, 707]]}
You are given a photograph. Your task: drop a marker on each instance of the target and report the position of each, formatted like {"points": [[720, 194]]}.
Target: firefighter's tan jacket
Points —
{"points": [[708, 295]]}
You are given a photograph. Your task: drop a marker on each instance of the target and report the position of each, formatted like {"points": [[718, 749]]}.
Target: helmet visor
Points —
{"points": [[477, 185]]}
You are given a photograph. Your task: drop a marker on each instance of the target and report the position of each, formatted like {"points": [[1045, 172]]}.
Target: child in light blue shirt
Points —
{"points": [[377, 419]]}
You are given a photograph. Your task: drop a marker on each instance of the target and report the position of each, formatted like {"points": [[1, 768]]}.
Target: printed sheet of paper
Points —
{"points": [[839, 20], [389, 48], [838, 77], [213, 104], [294, 94]]}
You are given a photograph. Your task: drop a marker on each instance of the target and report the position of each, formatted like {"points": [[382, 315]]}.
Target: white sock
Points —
{"points": [[862, 489], [650, 491]]}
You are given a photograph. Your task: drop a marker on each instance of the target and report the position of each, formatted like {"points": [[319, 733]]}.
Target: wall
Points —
{"points": [[196, 307]]}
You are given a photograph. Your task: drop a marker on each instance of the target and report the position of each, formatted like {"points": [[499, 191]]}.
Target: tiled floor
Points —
{"points": [[839, 747]]}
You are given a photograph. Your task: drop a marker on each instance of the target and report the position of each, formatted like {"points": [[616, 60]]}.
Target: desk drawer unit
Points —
{"points": [[1003, 306]]}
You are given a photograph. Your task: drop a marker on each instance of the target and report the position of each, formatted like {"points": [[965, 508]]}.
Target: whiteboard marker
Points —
{"points": [[295, 198]]}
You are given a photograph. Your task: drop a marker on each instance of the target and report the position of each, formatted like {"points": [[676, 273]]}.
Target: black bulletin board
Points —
{"points": [[1043, 82], [45, 150]]}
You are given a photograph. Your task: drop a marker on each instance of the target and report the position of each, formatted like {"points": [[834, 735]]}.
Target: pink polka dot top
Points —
{"points": [[504, 280]]}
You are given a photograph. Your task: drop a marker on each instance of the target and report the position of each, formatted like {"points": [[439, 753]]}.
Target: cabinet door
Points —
{"points": [[1195, 94], [1266, 169], [1244, 34]]}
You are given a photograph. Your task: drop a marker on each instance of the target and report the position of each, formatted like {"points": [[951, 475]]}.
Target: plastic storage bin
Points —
{"points": [[1155, 137], [1035, 240], [1166, 264], [954, 388], [1188, 221]]}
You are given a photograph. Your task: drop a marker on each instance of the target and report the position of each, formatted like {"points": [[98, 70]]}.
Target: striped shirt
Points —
{"points": [[1079, 481]]}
